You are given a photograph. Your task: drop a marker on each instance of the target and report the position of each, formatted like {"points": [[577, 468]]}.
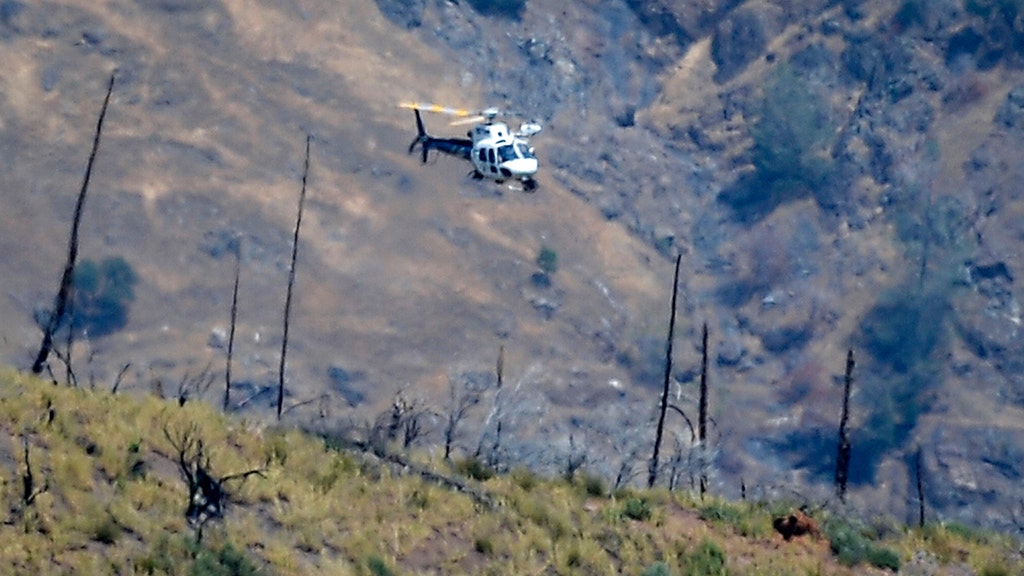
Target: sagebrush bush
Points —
{"points": [[637, 509]]}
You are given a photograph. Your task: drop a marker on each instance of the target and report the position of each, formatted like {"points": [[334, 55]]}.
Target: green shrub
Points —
{"points": [[474, 468], [222, 561], [852, 546], [106, 530], [721, 512], [172, 556], [525, 479], [593, 485], [707, 560], [910, 13], [883, 558], [99, 298], [966, 532], [511, 9], [101, 293], [547, 260], [637, 509], [378, 567], [483, 546], [792, 135], [792, 132]]}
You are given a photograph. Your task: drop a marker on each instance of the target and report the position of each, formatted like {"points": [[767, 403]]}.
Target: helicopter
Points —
{"points": [[495, 152]]}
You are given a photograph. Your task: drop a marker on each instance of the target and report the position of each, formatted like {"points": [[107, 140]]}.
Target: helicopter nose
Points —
{"points": [[521, 167]]}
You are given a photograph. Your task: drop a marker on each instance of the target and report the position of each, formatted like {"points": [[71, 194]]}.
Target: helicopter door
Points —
{"points": [[492, 160]]}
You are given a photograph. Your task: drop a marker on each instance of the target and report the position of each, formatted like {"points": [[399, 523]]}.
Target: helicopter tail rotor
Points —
{"points": [[421, 137]]}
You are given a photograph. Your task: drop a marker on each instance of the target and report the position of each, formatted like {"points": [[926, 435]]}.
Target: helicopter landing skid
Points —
{"points": [[529, 185]]}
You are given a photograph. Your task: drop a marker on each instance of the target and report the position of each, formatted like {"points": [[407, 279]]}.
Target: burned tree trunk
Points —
{"points": [[702, 415], [29, 490], [843, 451], [920, 488], [493, 456], [459, 405], [291, 284], [652, 470], [64, 292], [231, 333]]}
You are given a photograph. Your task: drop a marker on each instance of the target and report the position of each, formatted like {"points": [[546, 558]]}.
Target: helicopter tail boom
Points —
{"points": [[454, 146]]}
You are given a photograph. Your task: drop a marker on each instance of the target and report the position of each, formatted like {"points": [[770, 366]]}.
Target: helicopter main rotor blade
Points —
{"points": [[468, 120], [436, 108]]}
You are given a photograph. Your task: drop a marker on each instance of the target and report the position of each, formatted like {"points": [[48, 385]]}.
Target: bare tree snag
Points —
{"points": [[920, 488], [190, 386], [207, 493], [64, 292], [702, 416], [403, 421], [497, 412], [652, 469], [120, 377], [29, 491], [291, 283], [843, 451], [576, 459], [231, 332], [459, 403], [499, 369]]}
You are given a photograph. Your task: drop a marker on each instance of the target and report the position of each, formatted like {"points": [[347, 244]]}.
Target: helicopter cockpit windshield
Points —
{"points": [[524, 150], [506, 153]]}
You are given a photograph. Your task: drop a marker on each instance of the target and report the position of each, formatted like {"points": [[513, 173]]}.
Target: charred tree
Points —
{"points": [[702, 415], [64, 292], [231, 330], [918, 473], [291, 284], [652, 475], [459, 404], [29, 490], [493, 455], [194, 385], [843, 450], [207, 492]]}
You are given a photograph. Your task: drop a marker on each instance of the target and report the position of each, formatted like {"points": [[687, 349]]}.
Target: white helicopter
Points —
{"points": [[496, 153]]}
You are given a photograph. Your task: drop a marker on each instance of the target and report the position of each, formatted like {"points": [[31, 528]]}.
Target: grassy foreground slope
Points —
{"points": [[101, 492]]}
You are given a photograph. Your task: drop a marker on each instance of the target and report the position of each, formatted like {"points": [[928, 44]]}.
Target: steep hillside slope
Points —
{"points": [[93, 483], [836, 175]]}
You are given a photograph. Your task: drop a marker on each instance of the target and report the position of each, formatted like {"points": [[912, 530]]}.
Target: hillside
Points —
{"points": [[106, 495], [835, 174]]}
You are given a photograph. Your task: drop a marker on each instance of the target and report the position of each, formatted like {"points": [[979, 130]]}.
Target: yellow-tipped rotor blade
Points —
{"points": [[436, 108], [469, 120]]}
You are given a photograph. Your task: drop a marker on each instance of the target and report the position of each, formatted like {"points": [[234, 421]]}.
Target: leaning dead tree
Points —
{"points": [[652, 469], [843, 450], [64, 292], [291, 284]]}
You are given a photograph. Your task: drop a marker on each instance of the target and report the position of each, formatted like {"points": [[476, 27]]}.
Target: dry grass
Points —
{"points": [[114, 503]]}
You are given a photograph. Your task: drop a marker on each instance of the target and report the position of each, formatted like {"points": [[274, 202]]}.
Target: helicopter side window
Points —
{"points": [[482, 154], [490, 155], [506, 153]]}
